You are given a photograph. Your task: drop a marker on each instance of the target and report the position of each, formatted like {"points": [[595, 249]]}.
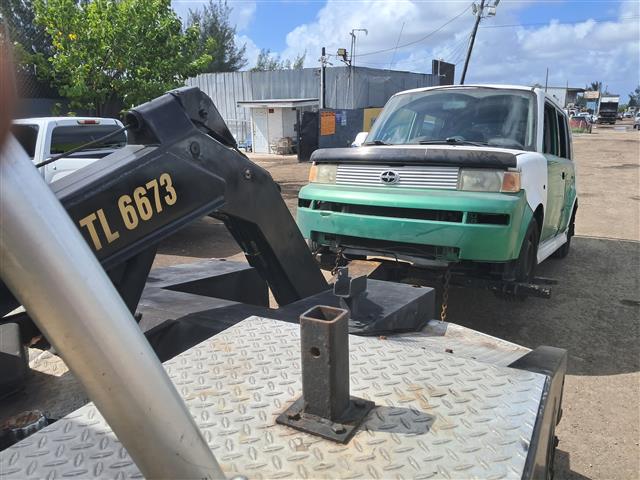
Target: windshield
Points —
{"points": [[65, 138], [484, 116]]}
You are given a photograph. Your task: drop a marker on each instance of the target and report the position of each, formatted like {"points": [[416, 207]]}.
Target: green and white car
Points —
{"points": [[479, 176]]}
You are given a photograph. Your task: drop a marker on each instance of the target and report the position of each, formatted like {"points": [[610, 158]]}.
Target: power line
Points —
{"points": [[456, 49], [420, 39], [396, 48], [537, 24]]}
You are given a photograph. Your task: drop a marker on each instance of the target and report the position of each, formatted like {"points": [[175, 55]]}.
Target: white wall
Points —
{"points": [[279, 123]]}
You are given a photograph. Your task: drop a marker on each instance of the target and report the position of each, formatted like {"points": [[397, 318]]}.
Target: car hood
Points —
{"points": [[445, 155]]}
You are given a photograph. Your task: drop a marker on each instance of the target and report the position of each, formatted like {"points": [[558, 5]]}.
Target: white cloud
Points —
{"points": [[242, 13], [252, 51], [578, 53]]}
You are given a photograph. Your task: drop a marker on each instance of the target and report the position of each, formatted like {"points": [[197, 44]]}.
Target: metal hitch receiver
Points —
{"points": [[325, 408], [350, 290]]}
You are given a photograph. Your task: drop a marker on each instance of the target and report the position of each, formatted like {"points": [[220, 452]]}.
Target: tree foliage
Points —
{"points": [[594, 86], [217, 37], [268, 61], [109, 54], [634, 97]]}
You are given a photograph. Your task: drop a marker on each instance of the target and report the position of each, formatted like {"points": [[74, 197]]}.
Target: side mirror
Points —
{"points": [[359, 140]]}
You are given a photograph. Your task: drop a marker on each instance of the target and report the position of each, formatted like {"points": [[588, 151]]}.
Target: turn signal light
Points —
{"points": [[511, 182], [313, 173]]}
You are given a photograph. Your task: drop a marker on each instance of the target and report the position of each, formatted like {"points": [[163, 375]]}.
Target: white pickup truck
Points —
{"points": [[45, 137]]}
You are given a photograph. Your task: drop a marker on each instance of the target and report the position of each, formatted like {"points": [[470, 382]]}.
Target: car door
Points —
{"points": [[568, 172], [555, 173]]}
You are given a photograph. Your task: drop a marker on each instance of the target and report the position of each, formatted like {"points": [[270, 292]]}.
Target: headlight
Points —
{"points": [[323, 173], [489, 181]]}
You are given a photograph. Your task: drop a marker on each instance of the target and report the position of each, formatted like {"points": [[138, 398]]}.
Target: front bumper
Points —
{"points": [[454, 225]]}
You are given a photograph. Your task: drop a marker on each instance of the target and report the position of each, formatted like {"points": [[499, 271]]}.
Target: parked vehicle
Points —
{"points": [[45, 137], [360, 138], [608, 109], [478, 177], [636, 123]]}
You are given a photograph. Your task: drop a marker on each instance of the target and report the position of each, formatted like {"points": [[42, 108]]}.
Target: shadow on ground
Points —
{"points": [[593, 312], [204, 238]]}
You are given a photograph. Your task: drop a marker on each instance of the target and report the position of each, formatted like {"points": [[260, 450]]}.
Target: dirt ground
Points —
{"points": [[594, 312]]}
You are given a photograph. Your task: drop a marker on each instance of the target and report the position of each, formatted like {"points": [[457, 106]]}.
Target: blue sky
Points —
{"points": [[580, 41]]}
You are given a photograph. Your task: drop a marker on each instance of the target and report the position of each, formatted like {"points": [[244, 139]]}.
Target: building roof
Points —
{"points": [[279, 102], [570, 89]]}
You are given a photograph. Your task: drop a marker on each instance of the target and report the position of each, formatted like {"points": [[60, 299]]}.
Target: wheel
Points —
{"points": [[525, 268], [563, 251], [528, 258]]}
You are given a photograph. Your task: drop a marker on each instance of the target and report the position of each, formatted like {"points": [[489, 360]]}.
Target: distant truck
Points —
{"points": [[608, 111], [44, 137]]}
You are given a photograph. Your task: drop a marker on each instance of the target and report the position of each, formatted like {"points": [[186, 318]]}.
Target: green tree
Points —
{"points": [[634, 97], [110, 54], [594, 86], [217, 37], [298, 62], [266, 61]]}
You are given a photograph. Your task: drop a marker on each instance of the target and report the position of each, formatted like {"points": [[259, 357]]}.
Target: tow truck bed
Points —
{"points": [[442, 401], [460, 414]]}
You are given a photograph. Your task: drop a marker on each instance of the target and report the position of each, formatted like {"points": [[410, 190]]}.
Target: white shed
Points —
{"points": [[274, 119]]}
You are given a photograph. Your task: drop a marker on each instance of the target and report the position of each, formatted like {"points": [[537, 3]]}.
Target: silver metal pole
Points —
{"points": [[50, 269]]}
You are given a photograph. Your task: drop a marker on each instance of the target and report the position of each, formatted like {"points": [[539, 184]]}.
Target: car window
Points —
{"points": [[27, 136], [66, 137], [563, 136], [399, 126], [550, 136], [490, 116]]}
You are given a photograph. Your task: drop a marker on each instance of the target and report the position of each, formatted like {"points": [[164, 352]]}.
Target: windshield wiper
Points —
{"points": [[452, 141], [376, 142]]}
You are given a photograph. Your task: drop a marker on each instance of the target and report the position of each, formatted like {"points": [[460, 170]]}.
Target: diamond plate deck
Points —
{"points": [[444, 337], [437, 415]]}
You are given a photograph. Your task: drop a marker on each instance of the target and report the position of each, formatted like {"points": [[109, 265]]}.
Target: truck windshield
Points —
{"points": [[465, 115], [65, 138]]}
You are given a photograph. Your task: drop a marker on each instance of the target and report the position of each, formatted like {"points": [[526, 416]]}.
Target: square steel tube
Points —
{"points": [[325, 361]]}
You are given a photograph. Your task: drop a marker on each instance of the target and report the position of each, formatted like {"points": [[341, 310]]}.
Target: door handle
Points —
{"points": [[563, 175]]}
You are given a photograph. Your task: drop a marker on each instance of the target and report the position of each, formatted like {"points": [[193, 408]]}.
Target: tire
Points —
{"points": [[563, 251], [526, 263], [528, 258]]}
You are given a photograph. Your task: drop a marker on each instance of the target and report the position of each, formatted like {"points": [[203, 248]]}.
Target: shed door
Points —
{"points": [[260, 130]]}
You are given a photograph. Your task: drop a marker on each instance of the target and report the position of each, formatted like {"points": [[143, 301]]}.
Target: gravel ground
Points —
{"points": [[594, 312]]}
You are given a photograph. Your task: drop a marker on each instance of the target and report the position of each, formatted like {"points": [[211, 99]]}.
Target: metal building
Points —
{"points": [[286, 93]]}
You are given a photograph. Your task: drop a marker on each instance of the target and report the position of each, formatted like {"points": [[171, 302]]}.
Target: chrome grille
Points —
{"points": [[444, 178]]}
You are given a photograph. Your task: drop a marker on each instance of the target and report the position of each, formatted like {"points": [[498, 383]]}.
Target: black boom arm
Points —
{"points": [[182, 163]]}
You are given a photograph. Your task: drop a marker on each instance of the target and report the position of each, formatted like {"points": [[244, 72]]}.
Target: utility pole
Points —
{"points": [[546, 80], [352, 63], [323, 78], [478, 12]]}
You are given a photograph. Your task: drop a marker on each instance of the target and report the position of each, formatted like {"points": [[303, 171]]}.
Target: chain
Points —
{"points": [[445, 294], [339, 257]]}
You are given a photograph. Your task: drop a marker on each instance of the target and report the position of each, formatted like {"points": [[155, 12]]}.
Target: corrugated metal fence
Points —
{"points": [[346, 88]]}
